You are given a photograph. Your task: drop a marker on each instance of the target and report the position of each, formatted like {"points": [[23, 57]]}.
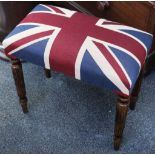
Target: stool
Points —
{"points": [[102, 53]]}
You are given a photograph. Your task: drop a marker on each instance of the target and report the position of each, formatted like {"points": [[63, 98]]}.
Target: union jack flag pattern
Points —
{"points": [[101, 52]]}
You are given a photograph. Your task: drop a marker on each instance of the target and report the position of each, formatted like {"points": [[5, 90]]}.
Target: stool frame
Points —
{"points": [[122, 106]]}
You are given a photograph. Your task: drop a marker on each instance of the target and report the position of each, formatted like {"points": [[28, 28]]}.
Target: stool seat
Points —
{"points": [[100, 52]]}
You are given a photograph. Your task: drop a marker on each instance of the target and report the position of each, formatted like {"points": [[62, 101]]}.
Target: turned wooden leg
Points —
{"points": [[19, 82], [121, 113], [135, 91], [47, 73]]}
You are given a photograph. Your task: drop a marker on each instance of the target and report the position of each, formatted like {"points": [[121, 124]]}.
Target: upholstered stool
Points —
{"points": [[102, 53]]}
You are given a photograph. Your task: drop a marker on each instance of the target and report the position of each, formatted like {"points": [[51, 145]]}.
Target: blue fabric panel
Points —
{"points": [[144, 37], [92, 74], [33, 53], [40, 8], [19, 29], [129, 64]]}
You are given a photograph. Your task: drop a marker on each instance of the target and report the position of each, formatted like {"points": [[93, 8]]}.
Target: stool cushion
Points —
{"points": [[101, 52]]}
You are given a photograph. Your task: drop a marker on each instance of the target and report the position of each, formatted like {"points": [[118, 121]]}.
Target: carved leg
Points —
{"points": [[136, 90], [47, 73], [19, 82], [121, 113]]}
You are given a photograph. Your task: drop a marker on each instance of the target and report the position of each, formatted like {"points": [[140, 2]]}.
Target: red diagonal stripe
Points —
{"points": [[113, 63], [121, 40], [26, 40]]}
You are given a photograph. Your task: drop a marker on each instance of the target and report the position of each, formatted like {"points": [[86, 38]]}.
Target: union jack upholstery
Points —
{"points": [[100, 52]]}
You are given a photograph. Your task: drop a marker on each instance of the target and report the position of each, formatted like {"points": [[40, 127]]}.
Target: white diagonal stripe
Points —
{"points": [[118, 47], [47, 7], [66, 12], [79, 60], [35, 24], [100, 23], [24, 34], [118, 28], [28, 44], [109, 72], [102, 62], [121, 66], [48, 12], [49, 46]]}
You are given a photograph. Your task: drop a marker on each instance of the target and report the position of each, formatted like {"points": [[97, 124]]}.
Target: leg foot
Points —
{"points": [[121, 113], [47, 73], [19, 82], [23, 103]]}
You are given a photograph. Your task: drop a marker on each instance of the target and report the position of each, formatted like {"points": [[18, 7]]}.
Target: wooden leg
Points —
{"points": [[47, 73], [136, 90], [19, 82], [121, 113]]}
